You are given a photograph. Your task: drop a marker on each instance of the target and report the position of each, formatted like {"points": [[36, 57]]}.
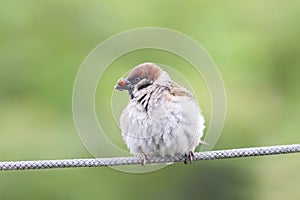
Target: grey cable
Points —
{"points": [[98, 162]]}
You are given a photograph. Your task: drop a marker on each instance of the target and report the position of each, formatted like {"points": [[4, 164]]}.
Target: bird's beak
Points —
{"points": [[123, 84]]}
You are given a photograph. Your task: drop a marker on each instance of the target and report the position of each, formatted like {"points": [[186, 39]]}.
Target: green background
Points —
{"points": [[255, 44]]}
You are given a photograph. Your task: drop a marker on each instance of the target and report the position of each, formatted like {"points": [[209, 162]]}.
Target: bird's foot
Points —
{"points": [[144, 158], [189, 157]]}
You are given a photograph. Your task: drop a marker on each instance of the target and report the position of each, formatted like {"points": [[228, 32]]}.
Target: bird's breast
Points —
{"points": [[148, 128]]}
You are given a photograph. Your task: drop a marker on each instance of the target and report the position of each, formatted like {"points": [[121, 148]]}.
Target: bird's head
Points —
{"points": [[141, 77]]}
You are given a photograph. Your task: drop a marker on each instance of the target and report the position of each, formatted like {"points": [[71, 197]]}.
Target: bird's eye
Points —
{"points": [[137, 79]]}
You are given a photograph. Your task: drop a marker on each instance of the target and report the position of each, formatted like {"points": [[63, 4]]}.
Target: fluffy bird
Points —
{"points": [[162, 118]]}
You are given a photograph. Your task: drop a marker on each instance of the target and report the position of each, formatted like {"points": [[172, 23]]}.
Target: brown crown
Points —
{"points": [[148, 70]]}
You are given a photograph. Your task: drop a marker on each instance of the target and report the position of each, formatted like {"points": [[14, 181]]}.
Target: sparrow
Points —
{"points": [[162, 118]]}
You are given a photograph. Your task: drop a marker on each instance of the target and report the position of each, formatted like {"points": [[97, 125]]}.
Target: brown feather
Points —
{"points": [[177, 90], [149, 70]]}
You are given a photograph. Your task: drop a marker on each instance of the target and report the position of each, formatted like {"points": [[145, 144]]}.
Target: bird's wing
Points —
{"points": [[178, 90]]}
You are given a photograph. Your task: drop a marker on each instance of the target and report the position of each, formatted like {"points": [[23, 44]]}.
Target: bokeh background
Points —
{"points": [[255, 44]]}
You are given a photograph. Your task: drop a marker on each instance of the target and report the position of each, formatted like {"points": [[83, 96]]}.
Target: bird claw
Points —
{"points": [[144, 158], [189, 157]]}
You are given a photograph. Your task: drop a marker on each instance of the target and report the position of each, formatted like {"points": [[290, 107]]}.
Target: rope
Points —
{"points": [[99, 162]]}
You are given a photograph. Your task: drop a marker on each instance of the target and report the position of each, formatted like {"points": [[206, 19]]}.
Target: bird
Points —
{"points": [[162, 118]]}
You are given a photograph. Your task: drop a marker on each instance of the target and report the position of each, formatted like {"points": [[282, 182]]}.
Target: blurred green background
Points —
{"points": [[255, 44]]}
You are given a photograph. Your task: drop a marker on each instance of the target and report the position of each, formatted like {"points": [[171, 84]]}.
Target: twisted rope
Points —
{"points": [[100, 162]]}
